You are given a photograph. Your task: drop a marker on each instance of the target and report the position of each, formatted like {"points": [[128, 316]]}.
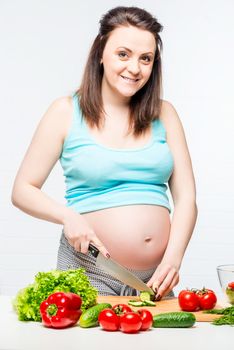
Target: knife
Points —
{"points": [[118, 271]]}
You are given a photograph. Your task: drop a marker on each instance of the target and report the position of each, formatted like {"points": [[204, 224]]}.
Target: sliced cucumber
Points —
{"points": [[135, 303], [146, 296], [149, 303], [146, 299], [174, 320], [141, 303]]}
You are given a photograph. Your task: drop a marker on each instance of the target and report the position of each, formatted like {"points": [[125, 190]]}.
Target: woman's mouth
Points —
{"points": [[130, 80]]}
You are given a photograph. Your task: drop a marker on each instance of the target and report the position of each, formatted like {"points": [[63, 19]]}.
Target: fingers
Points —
{"points": [[158, 277], [84, 246], [100, 247], [76, 245], [80, 244], [174, 282], [168, 283], [82, 241], [163, 280]]}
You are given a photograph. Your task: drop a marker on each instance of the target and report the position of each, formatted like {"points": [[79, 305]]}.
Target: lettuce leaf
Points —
{"points": [[27, 301]]}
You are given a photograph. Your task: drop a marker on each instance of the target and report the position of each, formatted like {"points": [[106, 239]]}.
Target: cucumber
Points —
{"points": [[89, 318], [149, 303], [178, 319], [138, 303], [146, 296], [146, 299]]}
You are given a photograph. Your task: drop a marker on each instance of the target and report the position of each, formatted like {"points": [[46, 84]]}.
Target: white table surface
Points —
{"points": [[18, 335]]}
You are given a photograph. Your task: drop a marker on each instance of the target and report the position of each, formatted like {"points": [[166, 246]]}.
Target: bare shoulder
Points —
{"points": [[61, 108], [64, 102], [59, 115], [169, 116], [172, 123]]}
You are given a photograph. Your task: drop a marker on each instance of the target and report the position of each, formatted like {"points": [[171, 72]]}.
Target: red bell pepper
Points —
{"points": [[61, 310]]}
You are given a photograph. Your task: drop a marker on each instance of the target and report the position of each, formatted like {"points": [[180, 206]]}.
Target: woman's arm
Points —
{"points": [[182, 187], [40, 158]]}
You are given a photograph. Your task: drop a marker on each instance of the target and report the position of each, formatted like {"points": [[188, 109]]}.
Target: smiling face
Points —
{"points": [[127, 61]]}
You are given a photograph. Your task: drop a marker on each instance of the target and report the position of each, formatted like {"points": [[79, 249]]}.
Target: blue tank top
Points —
{"points": [[99, 177]]}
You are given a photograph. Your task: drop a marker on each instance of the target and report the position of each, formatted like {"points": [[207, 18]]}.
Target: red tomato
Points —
{"points": [[188, 300], [108, 320], [207, 299], [231, 285], [121, 308], [146, 319], [130, 322]]}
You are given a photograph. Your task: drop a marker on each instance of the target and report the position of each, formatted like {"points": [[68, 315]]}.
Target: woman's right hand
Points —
{"points": [[79, 234]]}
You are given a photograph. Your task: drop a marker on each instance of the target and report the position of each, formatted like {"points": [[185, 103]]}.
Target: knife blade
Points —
{"points": [[118, 271]]}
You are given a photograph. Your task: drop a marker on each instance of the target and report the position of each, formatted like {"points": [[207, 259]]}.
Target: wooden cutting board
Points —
{"points": [[164, 305]]}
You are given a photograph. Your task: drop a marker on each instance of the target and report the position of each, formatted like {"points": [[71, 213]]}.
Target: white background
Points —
{"points": [[44, 45]]}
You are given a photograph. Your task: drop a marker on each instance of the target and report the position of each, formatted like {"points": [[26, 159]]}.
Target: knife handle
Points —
{"points": [[93, 250]]}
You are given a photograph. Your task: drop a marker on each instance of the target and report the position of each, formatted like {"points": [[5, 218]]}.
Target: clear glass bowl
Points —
{"points": [[226, 276]]}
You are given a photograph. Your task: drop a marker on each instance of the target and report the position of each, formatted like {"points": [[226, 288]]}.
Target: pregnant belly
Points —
{"points": [[136, 236]]}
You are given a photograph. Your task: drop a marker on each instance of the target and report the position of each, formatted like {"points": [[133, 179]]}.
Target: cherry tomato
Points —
{"points": [[146, 319], [207, 299], [121, 308], [188, 300], [130, 322], [108, 320], [231, 285]]}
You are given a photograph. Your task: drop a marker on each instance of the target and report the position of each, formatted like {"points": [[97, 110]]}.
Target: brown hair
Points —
{"points": [[145, 104]]}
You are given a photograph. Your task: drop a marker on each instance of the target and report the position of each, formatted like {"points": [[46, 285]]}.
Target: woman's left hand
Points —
{"points": [[164, 279]]}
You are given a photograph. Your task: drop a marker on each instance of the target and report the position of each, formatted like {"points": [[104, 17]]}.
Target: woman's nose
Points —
{"points": [[133, 67]]}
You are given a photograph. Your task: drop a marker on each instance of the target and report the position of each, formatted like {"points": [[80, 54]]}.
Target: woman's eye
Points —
{"points": [[146, 59], [122, 54]]}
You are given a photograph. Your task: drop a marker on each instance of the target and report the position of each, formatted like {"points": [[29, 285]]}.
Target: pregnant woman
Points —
{"points": [[121, 148]]}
